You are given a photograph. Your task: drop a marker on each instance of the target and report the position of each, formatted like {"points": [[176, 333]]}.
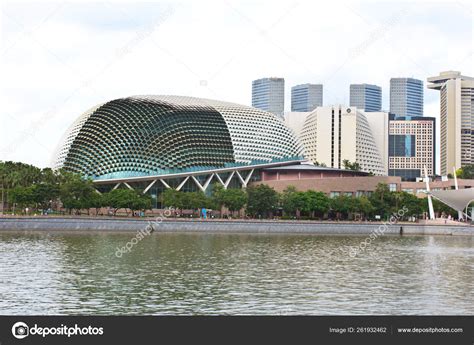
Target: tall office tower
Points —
{"points": [[456, 119], [411, 146], [335, 133], [406, 97], [306, 97], [269, 94], [366, 96]]}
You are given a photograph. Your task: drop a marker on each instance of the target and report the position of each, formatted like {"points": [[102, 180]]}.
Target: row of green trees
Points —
{"points": [[262, 201], [25, 186], [466, 172], [382, 202]]}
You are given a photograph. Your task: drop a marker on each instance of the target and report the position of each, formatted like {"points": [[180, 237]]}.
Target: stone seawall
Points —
{"points": [[233, 226]]}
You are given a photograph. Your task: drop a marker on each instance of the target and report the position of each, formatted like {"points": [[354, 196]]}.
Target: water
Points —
{"points": [[234, 274]]}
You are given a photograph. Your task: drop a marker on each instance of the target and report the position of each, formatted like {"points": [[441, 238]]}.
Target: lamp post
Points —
{"points": [[3, 201]]}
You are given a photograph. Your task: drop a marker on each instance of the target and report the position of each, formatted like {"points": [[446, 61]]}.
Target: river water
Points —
{"points": [[187, 274]]}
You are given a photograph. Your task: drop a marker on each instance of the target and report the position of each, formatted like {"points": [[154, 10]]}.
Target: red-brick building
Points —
{"points": [[335, 182]]}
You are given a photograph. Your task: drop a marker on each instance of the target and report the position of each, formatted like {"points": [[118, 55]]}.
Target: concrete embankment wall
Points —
{"points": [[234, 226]]}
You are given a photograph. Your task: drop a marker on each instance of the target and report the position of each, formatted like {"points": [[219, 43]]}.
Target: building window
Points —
{"points": [[334, 194], [392, 187]]}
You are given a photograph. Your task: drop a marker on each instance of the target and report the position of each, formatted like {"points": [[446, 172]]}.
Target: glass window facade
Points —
{"points": [[402, 145], [366, 96], [269, 94], [406, 97], [306, 97], [405, 174]]}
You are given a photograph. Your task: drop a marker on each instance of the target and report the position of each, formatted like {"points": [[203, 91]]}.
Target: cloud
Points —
{"points": [[59, 59]]}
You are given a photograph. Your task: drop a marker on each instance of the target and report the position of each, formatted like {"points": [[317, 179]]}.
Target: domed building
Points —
{"points": [[158, 138]]}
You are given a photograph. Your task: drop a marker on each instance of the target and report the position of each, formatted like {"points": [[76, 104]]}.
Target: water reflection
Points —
{"points": [[234, 274]]}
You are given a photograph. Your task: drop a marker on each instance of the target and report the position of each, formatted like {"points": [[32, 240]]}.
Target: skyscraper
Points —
{"points": [[456, 119], [406, 97], [306, 97], [366, 96], [411, 146], [269, 94]]}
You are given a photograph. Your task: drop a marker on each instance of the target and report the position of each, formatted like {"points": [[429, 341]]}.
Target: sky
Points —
{"points": [[58, 59]]}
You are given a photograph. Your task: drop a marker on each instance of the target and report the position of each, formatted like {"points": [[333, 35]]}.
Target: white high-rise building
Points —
{"points": [[379, 125], [332, 134], [456, 119], [295, 120]]}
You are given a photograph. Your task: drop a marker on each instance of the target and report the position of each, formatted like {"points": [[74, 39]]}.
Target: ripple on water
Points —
{"points": [[234, 274]]}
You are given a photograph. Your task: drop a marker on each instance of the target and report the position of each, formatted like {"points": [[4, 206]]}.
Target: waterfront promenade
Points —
{"points": [[172, 225]]}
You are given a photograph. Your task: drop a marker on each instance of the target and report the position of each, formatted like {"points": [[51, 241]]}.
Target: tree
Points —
{"points": [[351, 166], [466, 172], [234, 199], [218, 196], [412, 203], [319, 164], [97, 201], [363, 206], [261, 200], [172, 198], [75, 192], [291, 200], [382, 200], [315, 202], [127, 199], [15, 174], [50, 176], [140, 202], [45, 193], [194, 200], [342, 205], [22, 196]]}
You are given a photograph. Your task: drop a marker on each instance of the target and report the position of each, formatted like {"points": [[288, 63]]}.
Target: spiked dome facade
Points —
{"points": [[143, 136], [334, 133]]}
